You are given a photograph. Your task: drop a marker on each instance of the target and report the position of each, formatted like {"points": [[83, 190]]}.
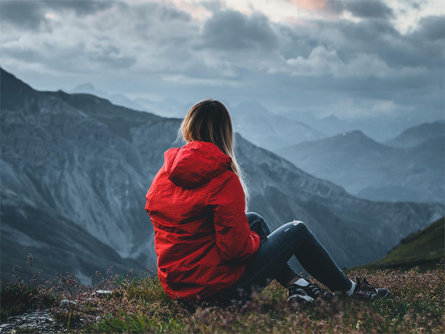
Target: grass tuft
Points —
{"points": [[17, 298]]}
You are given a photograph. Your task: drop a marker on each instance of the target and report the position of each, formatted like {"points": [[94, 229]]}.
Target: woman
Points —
{"points": [[208, 248]]}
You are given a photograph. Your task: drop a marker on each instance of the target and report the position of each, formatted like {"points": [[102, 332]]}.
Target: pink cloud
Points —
{"points": [[311, 5]]}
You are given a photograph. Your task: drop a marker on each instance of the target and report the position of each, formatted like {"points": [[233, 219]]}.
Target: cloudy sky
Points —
{"points": [[360, 58]]}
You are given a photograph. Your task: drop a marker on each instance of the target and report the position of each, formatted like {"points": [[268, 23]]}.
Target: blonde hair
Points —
{"points": [[210, 121]]}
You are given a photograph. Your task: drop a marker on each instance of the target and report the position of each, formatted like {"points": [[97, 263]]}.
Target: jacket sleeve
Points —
{"points": [[234, 239]]}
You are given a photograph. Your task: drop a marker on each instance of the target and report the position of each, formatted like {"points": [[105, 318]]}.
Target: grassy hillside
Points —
{"points": [[424, 248], [138, 304]]}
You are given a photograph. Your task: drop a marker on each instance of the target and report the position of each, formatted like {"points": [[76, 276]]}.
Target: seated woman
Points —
{"points": [[208, 248]]}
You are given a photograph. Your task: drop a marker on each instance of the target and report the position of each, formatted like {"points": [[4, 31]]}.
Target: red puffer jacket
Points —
{"points": [[202, 236]]}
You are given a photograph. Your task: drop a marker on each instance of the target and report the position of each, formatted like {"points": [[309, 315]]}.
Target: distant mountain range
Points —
{"points": [[418, 134], [167, 107], [250, 118], [269, 130], [75, 169], [380, 127], [376, 171]]}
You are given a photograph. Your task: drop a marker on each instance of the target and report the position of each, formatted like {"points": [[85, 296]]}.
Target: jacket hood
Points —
{"points": [[195, 163]]}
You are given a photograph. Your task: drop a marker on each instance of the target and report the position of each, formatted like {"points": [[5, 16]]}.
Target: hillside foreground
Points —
{"points": [[138, 304], [424, 248], [135, 304]]}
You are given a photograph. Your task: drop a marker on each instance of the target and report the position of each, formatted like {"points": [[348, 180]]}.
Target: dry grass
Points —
{"points": [[139, 305]]}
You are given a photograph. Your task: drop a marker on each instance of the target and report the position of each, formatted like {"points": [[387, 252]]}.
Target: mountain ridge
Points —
{"points": [[414, 136], [375, 171], [269, 130]]}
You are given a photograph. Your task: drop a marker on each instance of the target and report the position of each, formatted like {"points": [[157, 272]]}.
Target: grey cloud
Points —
{"points": [[129, 34], [80, 7], [335, 7], [111, 57], [426, 45], [230, 30], [368, 8], [414, 61], [156, 25], [421, 48], [30, 14], [295, 43], [153, 11], [171, 13], [368, 36], [346, 37], [26, 55], [162, 42], [415, 3], [27, 14], [212, 5], [76, 58], [432, 28]]}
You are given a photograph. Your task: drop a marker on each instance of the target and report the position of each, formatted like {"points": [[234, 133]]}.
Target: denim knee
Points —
{"points": [[297, 227], [254, 219], [253, 216]]}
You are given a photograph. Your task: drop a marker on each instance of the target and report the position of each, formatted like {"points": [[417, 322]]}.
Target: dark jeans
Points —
{"points": [[270, 262]]}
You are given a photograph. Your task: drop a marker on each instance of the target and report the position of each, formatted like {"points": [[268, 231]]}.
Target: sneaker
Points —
{"points": [[307, 293], [364, 290]]}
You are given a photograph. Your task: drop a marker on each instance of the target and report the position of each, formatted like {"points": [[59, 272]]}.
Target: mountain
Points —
{"points": [[417, 135], [379, 126], [375, 171], [167, 107], [75, 169], [423, 248], [88, 88], [255, 122], [269, 130], [119, 99], [330, 125], [57, 244], [70, 154]]}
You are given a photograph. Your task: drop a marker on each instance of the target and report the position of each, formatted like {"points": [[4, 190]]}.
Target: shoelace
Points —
{"points": [[314, 288]]}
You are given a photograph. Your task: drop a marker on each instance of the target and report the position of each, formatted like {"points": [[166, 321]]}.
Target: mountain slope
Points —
{"points": [[375, 171], [417, 135], [79, 157], [56, 243], [421, 248]]}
